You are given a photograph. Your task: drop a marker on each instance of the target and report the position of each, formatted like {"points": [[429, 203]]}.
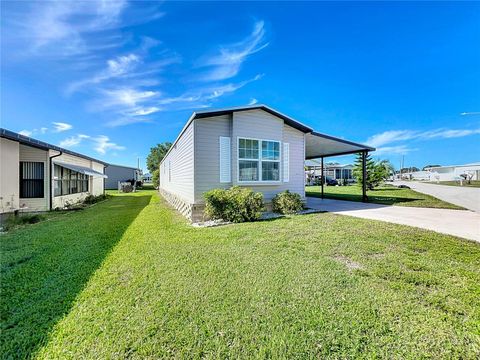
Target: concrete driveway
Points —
{"points": [[462, 223], [467, 197]]}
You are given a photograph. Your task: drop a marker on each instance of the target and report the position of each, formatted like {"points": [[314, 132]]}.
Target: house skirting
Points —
{"points": [[192, 212]]}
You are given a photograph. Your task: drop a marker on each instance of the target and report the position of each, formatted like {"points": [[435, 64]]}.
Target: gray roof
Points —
{"points": [[320, 144], [22, 139]]}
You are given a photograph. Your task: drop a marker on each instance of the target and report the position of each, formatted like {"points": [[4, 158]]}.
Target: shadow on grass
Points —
{"points": [[45, 266], [385, 200]]}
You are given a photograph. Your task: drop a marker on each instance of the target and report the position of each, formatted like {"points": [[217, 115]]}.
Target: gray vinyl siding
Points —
{"points": [[28, 153], [255, 124], [177, 168], [207, 153], [118, 173]]}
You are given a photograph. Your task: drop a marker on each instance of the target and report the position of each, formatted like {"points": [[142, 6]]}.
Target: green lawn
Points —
{"points": [[385, 194], [128, 278], [473, 183]]}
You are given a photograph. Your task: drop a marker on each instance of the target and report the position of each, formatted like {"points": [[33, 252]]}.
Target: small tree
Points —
{"points": [[358, 171], [156, 155], [383, 170]]}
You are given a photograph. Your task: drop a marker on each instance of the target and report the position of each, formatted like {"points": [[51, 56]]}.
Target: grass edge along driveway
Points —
{"points": [[386, 195], [323, 286]]}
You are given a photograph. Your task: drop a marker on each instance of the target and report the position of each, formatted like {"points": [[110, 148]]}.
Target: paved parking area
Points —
{"points": [[462, 223]]}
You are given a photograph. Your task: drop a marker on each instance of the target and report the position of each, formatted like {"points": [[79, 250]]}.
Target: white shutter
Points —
{"points": [[225, 160], [286, 162]]}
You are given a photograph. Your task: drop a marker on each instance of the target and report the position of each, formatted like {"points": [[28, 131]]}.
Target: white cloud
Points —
{"points": [[100, 143], [391, 136], [103, 144], [145, 111], [128, 121], [400, 149], [228, 61], [470, 113], [127, 97], [61, 126], [116, 67], [394, 136], [43, 130], [252, 101], [26, 133], [73, 141]]}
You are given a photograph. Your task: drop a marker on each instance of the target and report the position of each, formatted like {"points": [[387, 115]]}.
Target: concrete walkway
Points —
{"points": [[467, 197], [462, 223]]}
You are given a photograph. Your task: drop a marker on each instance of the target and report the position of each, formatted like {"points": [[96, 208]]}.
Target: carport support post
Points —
{"points": [[364, 177], [322, 180]]}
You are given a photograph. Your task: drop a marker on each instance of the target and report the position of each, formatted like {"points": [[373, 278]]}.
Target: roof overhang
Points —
{"points": [[25, 140], [321, 145], [81, 169]]}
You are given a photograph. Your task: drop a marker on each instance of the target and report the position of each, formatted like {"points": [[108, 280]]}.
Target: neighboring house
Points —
{"points": [[335, 171], [147, 178], [454, 172], [253, 146], [120, 173], [36, 176]]}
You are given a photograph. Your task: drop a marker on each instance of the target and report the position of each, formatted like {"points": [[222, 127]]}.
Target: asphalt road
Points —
{"points": [[467, 197]]}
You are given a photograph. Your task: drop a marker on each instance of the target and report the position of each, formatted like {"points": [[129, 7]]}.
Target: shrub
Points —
{"points": [[287, 203], [92, 199], [17, 220], [236, 204]]}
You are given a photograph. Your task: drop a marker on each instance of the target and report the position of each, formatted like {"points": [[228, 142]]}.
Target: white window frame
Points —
{"points": [[259, 160]]}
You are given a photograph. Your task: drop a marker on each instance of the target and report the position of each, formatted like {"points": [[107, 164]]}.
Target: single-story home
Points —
{"points": [[252, 146], [120, 173], [334, 171], [36, 176], [147, 178], [454, 172]]}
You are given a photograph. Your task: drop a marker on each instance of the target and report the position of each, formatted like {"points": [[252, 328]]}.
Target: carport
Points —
{"points": [[321, 146]]}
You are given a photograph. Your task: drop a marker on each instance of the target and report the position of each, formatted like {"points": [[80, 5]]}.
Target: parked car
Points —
{"points": [[331, 182]]}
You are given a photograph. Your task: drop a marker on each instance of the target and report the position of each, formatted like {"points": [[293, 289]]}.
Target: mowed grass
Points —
{"points": [[312, 286], [473, 183], [385, 194]]}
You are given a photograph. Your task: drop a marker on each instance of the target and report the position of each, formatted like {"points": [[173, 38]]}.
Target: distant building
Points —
{"points": [[120, 173], [454, 172], [334, 171], [147, 178]]}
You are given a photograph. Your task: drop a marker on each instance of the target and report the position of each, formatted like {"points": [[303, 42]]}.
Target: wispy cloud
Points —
{"points": [[227, 62], [73, 141], [103, 144], [383, 141], [26, 132], [470, 113], [61, 126], [100, 143], [252, 101]]}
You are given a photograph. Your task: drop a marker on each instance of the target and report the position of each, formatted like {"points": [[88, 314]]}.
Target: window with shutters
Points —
{"points": [[258, 160], [32, 179]]}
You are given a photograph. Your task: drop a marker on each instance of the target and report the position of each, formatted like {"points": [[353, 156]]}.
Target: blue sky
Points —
{"points": [[111, 79]]}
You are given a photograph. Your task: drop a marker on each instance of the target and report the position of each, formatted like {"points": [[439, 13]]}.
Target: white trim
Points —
{"points": [[225, 159], [259, 160], [286, 162]]}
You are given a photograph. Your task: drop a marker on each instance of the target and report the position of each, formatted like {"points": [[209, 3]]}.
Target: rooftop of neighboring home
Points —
{"points": [[22, 139], [453, 166]]}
